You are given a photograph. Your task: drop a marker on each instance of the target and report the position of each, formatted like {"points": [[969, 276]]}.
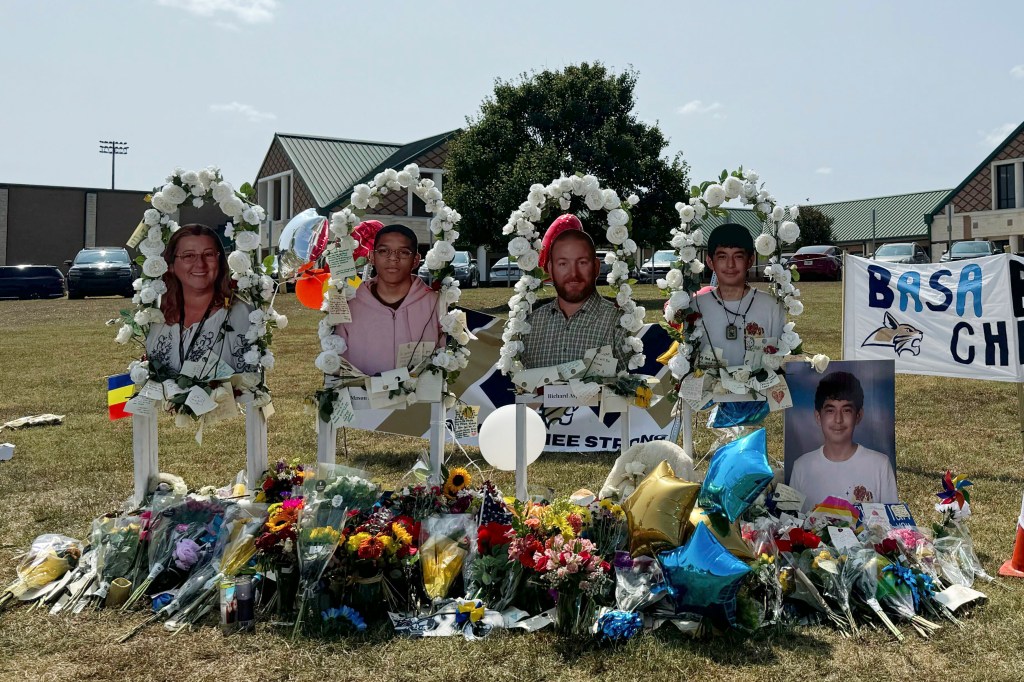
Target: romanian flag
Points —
{"points": [[119, 389]]}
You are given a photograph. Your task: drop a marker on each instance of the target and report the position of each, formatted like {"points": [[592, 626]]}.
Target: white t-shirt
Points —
{"points": [[755, 307], [866, 477]]}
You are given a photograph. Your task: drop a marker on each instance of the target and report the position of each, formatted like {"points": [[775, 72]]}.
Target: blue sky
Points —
{"points": [[826, 100]]}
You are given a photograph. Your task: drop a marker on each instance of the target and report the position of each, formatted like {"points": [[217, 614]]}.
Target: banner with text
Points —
{"points": [[958, 319]]}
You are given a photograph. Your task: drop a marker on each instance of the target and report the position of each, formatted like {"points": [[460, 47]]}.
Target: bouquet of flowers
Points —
{"points": [[378, 559], [639, 582], [47, 559], [281, 481], [824, 568], [898, 592], [860, 573], [444, 544], [575, 570], [491, 576], [604, 524], [759, 600]]}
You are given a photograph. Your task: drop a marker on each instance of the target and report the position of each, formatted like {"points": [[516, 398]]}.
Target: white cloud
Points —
{"points": [[997, 134], [248, 11], [254, 115], [1017, 71], [696, 106], [824, 170]]}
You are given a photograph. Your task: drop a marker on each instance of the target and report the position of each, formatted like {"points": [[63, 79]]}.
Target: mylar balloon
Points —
{"points": [[303, 239], [738, 472], [704, 575], [309, 288], [658, 510], [729, 534], [498, 437]]}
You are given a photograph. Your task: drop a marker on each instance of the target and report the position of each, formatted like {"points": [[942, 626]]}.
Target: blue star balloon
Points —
{"points": [[745, 413], [738, 472], [704, 576]]}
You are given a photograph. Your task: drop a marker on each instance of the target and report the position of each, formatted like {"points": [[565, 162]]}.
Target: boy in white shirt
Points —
{"points": [[840, 467]]}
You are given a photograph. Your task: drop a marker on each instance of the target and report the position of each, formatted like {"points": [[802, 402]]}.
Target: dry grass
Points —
{"points": [[54, 356]]}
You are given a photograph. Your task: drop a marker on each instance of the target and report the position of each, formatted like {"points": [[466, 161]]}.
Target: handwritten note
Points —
{"points": [[338, 311], [341, 262], [342, 412], [466, 420], [140, 406], [200, 401]]}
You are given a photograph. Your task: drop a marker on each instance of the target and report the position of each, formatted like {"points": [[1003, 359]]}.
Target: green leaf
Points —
{"points": [[268, 264], [140, 259]]}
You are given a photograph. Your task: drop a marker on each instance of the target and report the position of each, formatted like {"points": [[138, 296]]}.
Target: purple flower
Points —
{"points": [[186, 554], [623, 560]]}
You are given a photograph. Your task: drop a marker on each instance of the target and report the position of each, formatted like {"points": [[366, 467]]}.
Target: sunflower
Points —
{"points": [[401, 534], [458, 479]]}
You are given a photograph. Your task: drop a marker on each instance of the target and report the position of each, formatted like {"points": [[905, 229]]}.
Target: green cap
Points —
{"points": [[730, 235]]}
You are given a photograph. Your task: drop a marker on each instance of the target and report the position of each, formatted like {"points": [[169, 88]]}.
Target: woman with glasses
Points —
{"points": [[394, 314], [201, 324]]}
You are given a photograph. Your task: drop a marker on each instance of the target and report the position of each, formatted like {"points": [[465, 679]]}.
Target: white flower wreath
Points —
{"points": [[454, 357], [253, 285], [683, 280], [525, 246]]}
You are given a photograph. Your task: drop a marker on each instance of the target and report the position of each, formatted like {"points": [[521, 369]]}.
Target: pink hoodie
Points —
{"points": [[376, 331]]}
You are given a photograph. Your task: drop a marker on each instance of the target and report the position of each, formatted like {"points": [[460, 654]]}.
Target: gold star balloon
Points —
{"points": [[658, 511], [729, 534]]}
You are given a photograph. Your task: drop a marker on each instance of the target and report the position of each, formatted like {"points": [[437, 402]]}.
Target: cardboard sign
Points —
{"points": [[779, 396], [342, 412], [200, 401], [341, 262]]}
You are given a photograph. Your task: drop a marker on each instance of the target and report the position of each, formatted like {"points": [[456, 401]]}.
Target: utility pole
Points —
{"points": [[113, 148]]}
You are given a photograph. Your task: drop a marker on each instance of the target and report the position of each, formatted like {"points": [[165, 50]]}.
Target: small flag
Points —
{"points": [[119, 390], [494, 511]]}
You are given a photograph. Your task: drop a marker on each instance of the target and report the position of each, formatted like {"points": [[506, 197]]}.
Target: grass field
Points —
{"points": [[54, 357]]}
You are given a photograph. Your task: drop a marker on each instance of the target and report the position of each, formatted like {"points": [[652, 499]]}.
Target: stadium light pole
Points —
{"points": [[113, 148]]}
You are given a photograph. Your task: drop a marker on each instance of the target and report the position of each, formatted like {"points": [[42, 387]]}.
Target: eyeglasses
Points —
{"points": [[399, 254], [190, 257]]}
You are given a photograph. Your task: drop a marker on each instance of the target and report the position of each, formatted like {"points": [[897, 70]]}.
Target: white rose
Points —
{"points": [[778, 213], [687, 254], [564, 203], [617, 217], [124, 334], [247, 240], [154, 267], [819, 362], [765, 244], [679, 366], [528, 261], [679, 300], [594, 201], [156, 316], [142, 317], [222, 190], [198, 202], [790, 339], [674, 278], [700, 210], [173, 193], [661, 283], [232, 206], [772, 360], [611, 199], [637, 361], [789, 232], [714, 195], [162, 204], [239, 262], [151, 247], [139, 372], [733, 187], [138, 284], [795, 306], [147, 295], [794, 212], [251, 357], [686, 214], [752, 176], [632, 200], [151, 216], [249, 216], [334, 344], [617, 234], [257, 317], [267, 360], [328, 362], [245, 281], [281, 321], [749, 190], [155, 234], [696, 267], [629, 246], [518, 246]]}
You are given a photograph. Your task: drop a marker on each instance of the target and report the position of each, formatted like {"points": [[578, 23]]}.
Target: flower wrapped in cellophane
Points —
{"points": [[860, 573], [575, 569], [444, 544], [824, 566], [47, 559], [116, 544]]}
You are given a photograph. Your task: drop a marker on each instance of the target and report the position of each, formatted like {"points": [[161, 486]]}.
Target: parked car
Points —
{"points": [[466, 270], [969, 249], [606, 268], [101, 271], [906, 252], [656, 267], [503, 272], [31, 281], [819, 261]]}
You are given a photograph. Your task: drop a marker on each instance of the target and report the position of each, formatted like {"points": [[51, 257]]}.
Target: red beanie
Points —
{"points": [[562, 224]]}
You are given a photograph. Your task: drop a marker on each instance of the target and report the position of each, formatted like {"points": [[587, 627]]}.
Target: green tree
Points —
{"points": [[815, 228], [533, 129]]}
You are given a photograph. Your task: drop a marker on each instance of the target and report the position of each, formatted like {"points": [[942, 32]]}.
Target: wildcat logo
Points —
{"points": [[899, 336]]}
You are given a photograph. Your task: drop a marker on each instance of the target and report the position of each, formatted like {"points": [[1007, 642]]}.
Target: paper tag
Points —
{"points": [[465, 421], [192, 368], [338, 311], [568, 370], [223, 371], [200, 401], [529, 379], [787, 498], [141, 230], [760, 386], [268, 410], [428, 387], [561, 395], [140, 406], [153, 390], [341, 262], [389, 381], [612, 402], [779, 396], [692, 387], [843, 538], [343, 413], [412, 354], [604, 365], [956, 596], [171, 389]]}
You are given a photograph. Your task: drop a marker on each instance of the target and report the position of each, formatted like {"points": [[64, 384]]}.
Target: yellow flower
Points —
{"points": [[390, 546], [458, 478], [401, 534], [352, 544], [274, 508], [643, 396], [324, 535]]}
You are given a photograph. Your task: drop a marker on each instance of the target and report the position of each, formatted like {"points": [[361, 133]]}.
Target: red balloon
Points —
{"points": [[309, 288]]}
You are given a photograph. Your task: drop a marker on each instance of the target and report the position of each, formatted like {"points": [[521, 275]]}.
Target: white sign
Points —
{"points": [[958, 319]]}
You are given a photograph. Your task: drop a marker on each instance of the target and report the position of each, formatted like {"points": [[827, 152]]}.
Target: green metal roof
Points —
{"points": [[399, 158], [899, 216], [948, 196], [329, 165]]}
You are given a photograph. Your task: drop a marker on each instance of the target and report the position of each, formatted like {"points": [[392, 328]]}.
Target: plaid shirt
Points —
{"points": [[555, 338]]}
